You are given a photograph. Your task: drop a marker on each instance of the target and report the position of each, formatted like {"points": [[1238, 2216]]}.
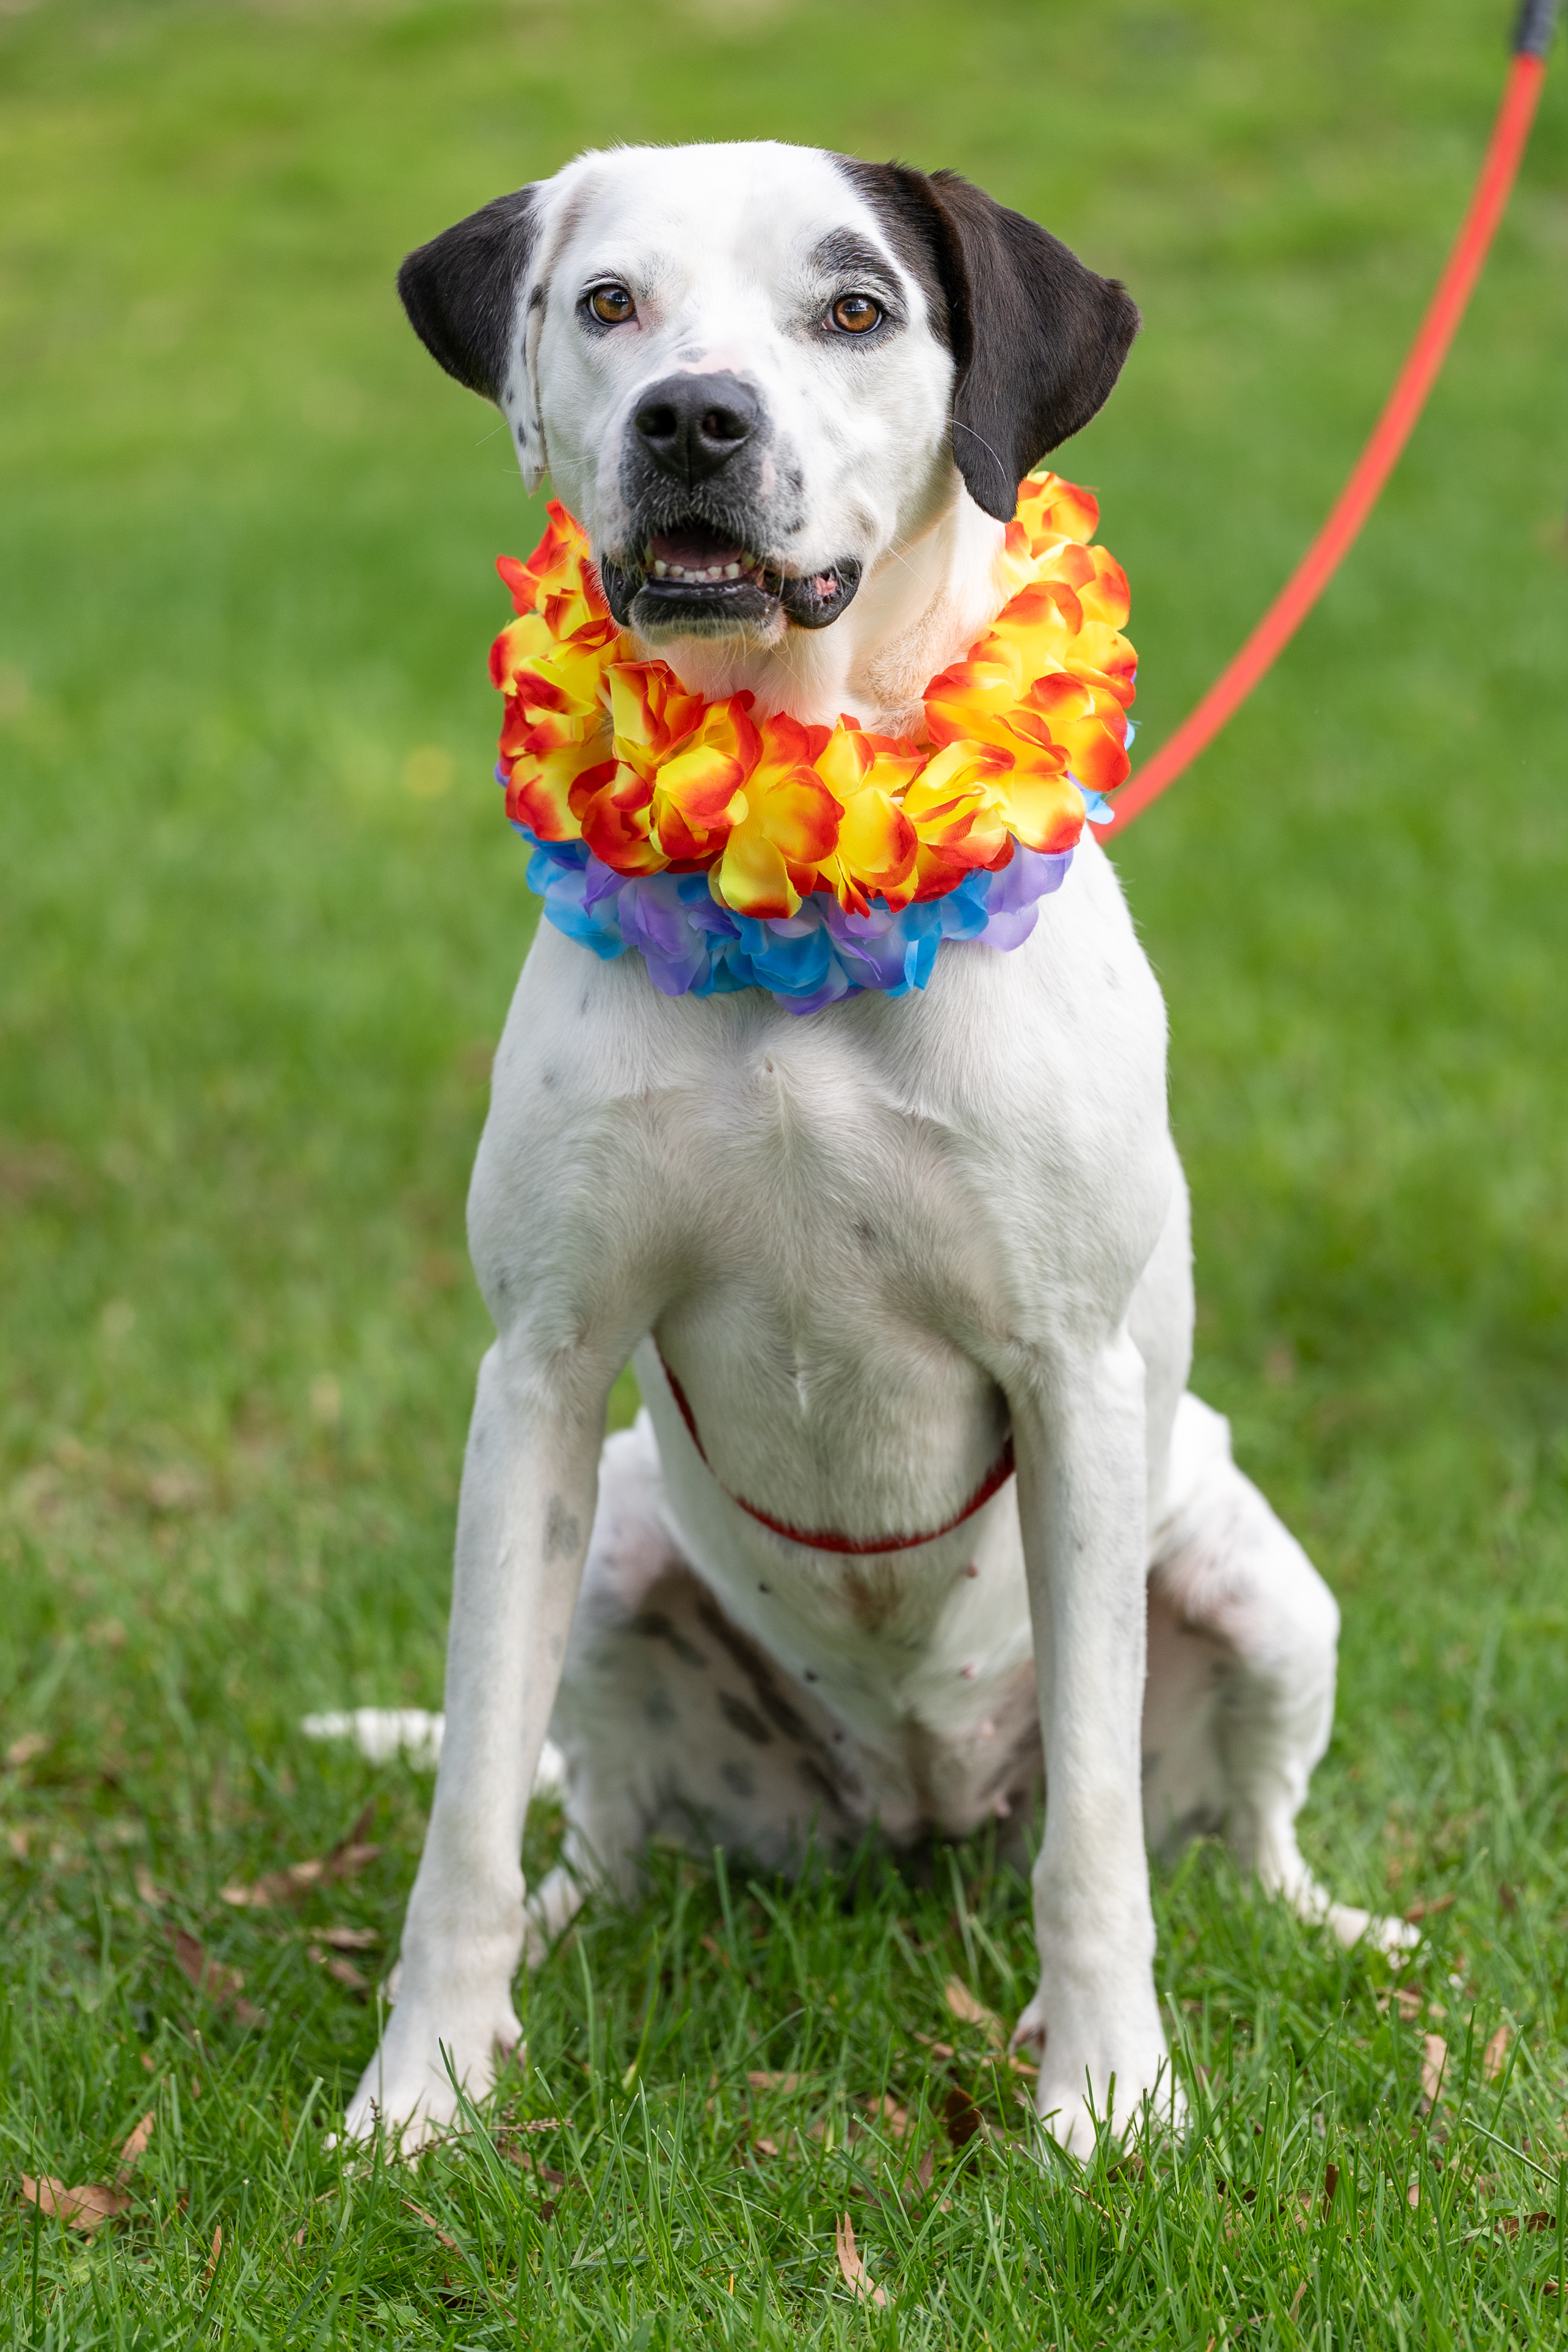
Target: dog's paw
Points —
{"points": [[1394, 1937], [1095, 2080], [1348, 1924], [409, 2090]]}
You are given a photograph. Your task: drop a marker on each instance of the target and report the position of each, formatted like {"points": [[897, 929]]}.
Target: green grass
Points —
{"points": [[252, 966]]}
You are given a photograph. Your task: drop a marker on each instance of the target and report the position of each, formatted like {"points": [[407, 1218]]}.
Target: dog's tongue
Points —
{"points": [[696, 550]]}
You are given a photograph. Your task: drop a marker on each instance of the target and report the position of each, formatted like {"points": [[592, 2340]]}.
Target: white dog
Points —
{"points": [[864, 1260]]}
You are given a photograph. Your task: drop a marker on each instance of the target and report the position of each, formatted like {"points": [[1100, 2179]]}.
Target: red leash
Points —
{"points": [[1393, 430]]}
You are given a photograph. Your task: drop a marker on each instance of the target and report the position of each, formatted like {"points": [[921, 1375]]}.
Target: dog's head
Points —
{"points": [[754, 372]]}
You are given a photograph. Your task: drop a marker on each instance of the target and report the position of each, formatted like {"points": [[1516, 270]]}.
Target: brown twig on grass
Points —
{"points": [[291, 1883]]}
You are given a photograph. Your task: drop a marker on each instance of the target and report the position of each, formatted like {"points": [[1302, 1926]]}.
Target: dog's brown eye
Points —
{"points": [[856, 313], [613, 304]]}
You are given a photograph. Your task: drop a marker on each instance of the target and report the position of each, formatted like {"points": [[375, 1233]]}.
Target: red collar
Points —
{"points": [[996, 1477]]}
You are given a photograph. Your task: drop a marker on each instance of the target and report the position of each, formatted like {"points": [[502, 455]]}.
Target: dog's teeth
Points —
{"points": [[732, 572], [659, 569]]}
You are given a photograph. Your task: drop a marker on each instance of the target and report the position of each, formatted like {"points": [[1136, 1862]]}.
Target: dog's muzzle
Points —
{"points": [[689, 478]]}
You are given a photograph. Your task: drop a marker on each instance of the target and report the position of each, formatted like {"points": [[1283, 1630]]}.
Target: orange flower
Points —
{"points": [[614, 822], [548, 794], [1050, 508], [700, 793], [1087, 723], [675, 787], [650, 712], [788, 822], [972, 701], [955, 808], [556, 727], [558, 581], [1101, 581], [975, 800], [875, 853]]}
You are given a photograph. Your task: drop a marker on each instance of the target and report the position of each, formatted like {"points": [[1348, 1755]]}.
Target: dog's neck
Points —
{"points": [[916, 610]]}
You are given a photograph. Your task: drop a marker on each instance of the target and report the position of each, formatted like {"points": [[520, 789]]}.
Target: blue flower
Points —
{"points": [[693, 946]]}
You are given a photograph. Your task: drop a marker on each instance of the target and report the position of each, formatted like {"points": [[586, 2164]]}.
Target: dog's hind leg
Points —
{"points": [[1243, 1634], [671, 1722]]}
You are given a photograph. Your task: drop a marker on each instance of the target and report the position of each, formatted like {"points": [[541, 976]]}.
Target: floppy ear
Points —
{"points": [[461, 292], [1039, 339]]}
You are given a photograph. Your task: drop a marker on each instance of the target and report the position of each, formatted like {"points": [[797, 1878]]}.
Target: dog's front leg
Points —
{"points": [[529, 1480], [1081, 1440]]}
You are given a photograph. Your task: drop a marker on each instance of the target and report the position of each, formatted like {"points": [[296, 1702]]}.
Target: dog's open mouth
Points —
{"points": [[695, 577]]}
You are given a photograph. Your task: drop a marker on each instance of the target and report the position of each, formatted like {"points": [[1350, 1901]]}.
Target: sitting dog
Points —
{"points": [[919, 1513]]}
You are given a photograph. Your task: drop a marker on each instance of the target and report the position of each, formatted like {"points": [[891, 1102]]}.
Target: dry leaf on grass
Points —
{"points": [[22, 1751], [1407, 1999], [760, 2081], [213, 2258], [1434, 2059], [886, 2111], [88, 2208], [851, 2269], [343, 1972], [1429, 1908], [431, 2223], [148, 1891], [224, 1988], [971, 2011], [348, 1857], [350, 1939], [1494, 2058], [541, 2171], [1508, 2225], [961, 2117]]}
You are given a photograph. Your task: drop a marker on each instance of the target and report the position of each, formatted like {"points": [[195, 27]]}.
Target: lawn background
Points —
{"points": [[260, 920]]}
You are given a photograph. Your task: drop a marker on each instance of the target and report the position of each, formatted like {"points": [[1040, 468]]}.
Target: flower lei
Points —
{"points": [[813, 861]]}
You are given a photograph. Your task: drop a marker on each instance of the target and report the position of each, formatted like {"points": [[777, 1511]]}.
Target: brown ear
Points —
{"points": [[461, 292], [1038, 338]]}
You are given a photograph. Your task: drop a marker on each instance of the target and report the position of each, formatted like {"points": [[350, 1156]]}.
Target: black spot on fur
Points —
{"points": [[751, 1726], [563, 1533], [738, 1779], [460, 291], [655, 1626], [809, 1770], [754, 1665]]}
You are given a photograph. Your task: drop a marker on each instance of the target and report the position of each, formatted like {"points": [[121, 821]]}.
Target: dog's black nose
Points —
{"points": [[692, 425]]}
